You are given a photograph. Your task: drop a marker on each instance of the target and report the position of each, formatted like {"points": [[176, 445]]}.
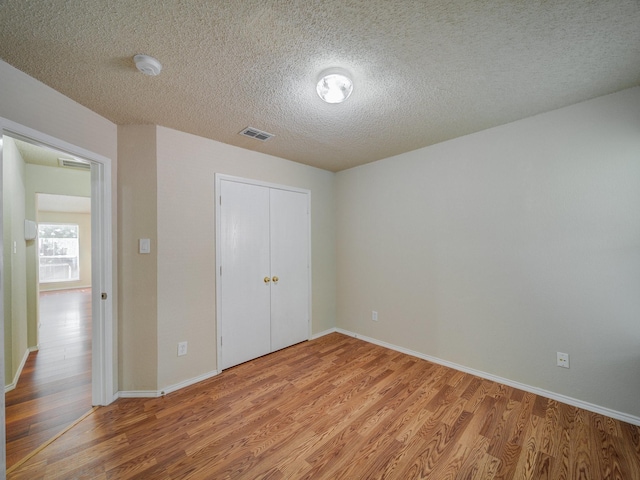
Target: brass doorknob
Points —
{"points": [[275, 279], [267, 279]]}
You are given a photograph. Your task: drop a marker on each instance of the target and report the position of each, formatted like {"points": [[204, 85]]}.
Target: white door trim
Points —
{"points": [[101, 256], [219, 177]]}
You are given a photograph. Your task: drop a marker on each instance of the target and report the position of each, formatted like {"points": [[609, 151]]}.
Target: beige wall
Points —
{"points": [[187, 165], [137, 288], [497, 250], [166, 191], [15, 285], [83, 220]]}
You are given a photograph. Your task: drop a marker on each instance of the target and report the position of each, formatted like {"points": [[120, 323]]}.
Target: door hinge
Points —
{"points": [[220, 199], [220, 341], [220, 270]]}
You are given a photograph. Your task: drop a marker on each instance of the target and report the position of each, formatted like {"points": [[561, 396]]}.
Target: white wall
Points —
{"points": [[496, 250], [187, 165]]}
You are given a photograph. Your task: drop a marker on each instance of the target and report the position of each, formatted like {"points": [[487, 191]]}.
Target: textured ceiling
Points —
{"points": [[424, 71]]}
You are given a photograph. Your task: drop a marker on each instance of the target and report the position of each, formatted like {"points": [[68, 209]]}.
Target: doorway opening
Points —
{"points": [[73, 297]]}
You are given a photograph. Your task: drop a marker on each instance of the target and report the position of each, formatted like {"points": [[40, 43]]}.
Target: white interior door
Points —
{"points": [[245, 296], [290, 266]]}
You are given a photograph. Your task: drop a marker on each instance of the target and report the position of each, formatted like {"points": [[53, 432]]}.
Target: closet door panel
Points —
{"points": [[245, 296], [290, 265]]}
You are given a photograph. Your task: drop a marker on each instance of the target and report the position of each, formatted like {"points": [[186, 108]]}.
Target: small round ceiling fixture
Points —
{"points": [[334, 86], [147, 65]]}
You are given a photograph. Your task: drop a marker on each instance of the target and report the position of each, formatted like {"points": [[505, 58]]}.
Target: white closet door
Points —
{"points": [[245, 296], [290, 265]]}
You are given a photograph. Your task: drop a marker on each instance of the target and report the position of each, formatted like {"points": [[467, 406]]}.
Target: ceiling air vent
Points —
{"points": [[257, 134], [72, 163]]}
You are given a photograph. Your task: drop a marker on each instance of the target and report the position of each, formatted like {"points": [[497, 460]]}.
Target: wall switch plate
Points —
{"points": [[182, 349], [374, 316], [562, 359], [144, 245]]}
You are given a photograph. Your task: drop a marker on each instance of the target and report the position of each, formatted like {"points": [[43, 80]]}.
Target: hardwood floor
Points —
{"points": [[340, 408], [55, 386]]}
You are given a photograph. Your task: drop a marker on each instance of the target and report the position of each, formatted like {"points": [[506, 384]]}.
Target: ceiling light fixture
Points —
{"points": [[147, 65], [334, 86]]}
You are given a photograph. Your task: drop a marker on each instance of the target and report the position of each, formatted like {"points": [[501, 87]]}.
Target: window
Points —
{"points": [[58, 252]]}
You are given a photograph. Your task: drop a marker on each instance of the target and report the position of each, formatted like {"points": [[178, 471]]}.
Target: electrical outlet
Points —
{"points": [[562, 359], [182, 349], [374, 315]]}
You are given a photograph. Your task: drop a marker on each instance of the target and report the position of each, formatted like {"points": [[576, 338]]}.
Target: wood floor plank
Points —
{"points": [[54, 388], [529, 439], [470, 468], [340, 408]]}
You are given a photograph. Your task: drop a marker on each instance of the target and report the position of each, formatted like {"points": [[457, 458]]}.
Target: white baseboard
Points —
{"points": [[61, 288], [137, 394], [166, 390], [521, 386], [186, 383], [505, 381], [16, 377], [322, 334]]}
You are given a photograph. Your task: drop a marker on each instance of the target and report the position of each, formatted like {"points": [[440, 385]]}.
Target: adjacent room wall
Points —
{"points": [[187, 165], [497, 250], [58, 181], [15, 285]]}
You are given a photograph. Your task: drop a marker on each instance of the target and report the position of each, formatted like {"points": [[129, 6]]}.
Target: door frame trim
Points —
{"points": [[219, 177], [101, 255]]}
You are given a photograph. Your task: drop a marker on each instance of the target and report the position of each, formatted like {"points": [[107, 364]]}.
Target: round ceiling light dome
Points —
{"points": [[334, 86], [147, 65]]}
